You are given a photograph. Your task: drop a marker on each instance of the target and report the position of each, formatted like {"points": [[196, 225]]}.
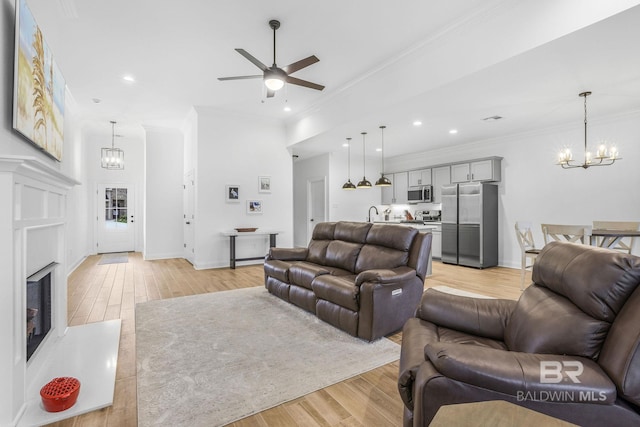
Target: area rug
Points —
{"points": [[448, 290], [208, 360], [114, 258]]}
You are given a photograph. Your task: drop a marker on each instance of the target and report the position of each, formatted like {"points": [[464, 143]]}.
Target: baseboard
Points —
{"points": [[151, 257], [209, 265], [76, 265]]}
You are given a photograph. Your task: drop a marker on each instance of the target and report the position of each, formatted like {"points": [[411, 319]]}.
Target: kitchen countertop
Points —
{"points": [[427, 225]]}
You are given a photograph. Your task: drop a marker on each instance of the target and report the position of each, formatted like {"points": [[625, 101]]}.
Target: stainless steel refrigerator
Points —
{"points": [[470, 224]]}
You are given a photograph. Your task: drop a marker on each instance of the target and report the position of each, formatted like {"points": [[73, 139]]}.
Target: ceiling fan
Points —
{"points": [[275, 77]]}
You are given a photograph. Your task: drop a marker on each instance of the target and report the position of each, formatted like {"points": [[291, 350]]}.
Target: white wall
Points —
{"points": [[163, 207], [534, 189], [237, 149], [132, 143], [342, 205]]}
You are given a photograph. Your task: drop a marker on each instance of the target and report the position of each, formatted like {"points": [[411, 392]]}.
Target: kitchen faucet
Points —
{"points": [[369, 216]]}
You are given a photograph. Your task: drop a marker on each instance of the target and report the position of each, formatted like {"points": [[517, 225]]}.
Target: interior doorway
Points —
{"points": [[316, 209], [115, 218]]}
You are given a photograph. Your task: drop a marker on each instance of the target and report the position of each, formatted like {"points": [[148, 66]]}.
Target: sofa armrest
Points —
{"points": [[525, 376], [477, 316], [287, 254], [382, 277]]}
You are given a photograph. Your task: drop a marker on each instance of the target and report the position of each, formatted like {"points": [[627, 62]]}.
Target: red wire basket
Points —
{"points": [[60, 393]]}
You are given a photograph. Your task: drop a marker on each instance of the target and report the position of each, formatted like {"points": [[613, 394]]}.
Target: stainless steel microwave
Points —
{"points": [[422, 194]]}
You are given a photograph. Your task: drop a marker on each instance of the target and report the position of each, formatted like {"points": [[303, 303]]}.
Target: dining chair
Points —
{"points": [[527, 248], [566, 233], [624, 244]]}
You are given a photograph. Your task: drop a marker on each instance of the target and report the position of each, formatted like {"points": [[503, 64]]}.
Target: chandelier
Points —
{"points": [[604, 156], [112, 158]]}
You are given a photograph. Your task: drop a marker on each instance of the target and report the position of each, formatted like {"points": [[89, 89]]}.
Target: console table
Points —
{"points": [[232, 234]]}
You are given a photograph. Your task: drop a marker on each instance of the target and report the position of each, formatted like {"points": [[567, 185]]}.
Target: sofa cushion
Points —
{"points": [[323, 231], [355, 232], [317, 251], [545, 322], [598, 281], [392, 236], [278, 269], [373, 257], [303, 273], [343, 254], [340, 290]]}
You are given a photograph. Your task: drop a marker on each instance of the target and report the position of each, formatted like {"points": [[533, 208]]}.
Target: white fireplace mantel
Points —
{"points": [[33, 219]]}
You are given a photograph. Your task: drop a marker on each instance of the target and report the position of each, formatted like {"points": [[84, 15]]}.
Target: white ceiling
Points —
{"points": [[449, 64]]}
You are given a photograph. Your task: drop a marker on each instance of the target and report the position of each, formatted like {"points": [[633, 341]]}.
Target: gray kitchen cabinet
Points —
{"points": [[479, 170], [397, 193], [441, 176], [419, 177]]}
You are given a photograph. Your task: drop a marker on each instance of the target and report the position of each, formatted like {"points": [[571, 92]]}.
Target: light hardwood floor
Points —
{"points": [[104, 292]]}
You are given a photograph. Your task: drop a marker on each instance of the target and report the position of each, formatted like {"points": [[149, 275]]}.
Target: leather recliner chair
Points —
{"points": [[569, 347]]}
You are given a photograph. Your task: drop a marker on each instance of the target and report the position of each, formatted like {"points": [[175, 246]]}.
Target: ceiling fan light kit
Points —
{"points": [[604, 156], [275, 77]]}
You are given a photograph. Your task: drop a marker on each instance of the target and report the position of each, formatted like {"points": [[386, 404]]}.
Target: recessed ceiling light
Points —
{"points": [[345, 145], [453, 131], [492, 118], [417, 123], [128, 78], [378, 149], [287, 108]]}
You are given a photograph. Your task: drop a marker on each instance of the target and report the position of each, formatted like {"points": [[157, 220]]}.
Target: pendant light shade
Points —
{"points": [[112, 158], [383, 181], [364, 183], [349, 185]]}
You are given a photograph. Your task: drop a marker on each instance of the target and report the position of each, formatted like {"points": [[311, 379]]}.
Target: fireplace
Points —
{"points": [[38, 307]]}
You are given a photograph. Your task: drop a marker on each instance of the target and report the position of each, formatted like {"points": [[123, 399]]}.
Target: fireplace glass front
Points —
{"points": [[38, 308]]}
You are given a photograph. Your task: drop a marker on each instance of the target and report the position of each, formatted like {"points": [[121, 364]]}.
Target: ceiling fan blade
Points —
{"points": [[251, 58], [300, 82], [270, 93], [257, 76], [299, 65]]}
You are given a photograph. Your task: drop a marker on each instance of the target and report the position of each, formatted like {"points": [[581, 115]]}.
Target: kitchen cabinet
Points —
{"points": [[436, 243], [419, 177], [480, 170], [397, 193], [441, 176]]}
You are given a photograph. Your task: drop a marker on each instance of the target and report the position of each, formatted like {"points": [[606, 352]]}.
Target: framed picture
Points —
{"points": [[264, 184], [254, 206], [232, 193]]}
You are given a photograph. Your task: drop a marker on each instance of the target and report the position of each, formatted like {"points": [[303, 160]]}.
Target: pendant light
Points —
{"points": [[349, 185], [112, 158], [383, 181], [364, 183], [603, 156]]}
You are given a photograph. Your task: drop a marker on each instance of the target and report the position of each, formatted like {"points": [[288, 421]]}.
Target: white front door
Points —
{"points": [[115, 218], [316, 212], [189, 208]]}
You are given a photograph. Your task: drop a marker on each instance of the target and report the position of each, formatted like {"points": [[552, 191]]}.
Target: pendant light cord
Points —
{"points": [[364, 157]]}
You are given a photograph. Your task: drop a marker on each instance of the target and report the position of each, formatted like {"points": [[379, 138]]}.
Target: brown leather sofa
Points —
{"points": [[569, 347], [363, 278]]}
